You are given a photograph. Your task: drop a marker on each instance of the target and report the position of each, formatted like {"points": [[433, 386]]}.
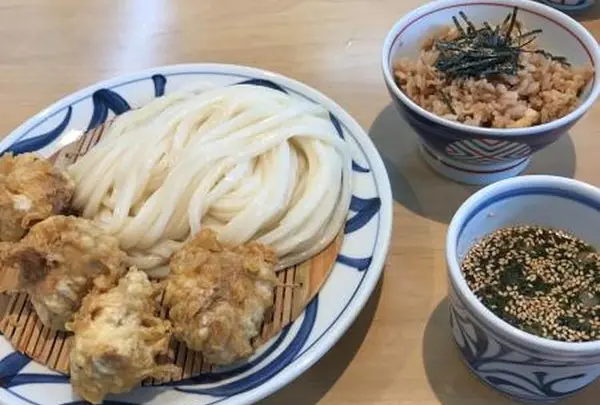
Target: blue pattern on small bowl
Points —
{"points": [[521, 365], [569, 5], [522, 375], [483, 155], [357, 270]]}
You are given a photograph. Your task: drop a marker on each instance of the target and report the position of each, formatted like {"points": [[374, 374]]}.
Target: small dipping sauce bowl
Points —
{"points": [[519, 364]]}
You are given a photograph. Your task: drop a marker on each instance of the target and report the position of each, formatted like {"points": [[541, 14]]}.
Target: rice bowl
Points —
{"points": [[478, 154], [540, 90]]}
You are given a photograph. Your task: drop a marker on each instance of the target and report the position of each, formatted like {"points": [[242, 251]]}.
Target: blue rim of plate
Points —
{"points": [[105, 98]]}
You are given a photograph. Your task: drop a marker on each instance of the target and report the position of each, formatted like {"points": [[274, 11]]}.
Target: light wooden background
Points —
{"points": [[399, 351]]}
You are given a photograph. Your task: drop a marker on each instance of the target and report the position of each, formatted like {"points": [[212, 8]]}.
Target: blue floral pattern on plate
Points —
{"points": [[291, 344]]}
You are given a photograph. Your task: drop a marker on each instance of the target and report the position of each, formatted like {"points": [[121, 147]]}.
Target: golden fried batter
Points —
{"points": [[59, 261], [218, 296], [118, 338], [31, 190]]}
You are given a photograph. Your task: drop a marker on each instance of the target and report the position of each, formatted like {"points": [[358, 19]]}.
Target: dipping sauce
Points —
{"points": [[543, 281]]}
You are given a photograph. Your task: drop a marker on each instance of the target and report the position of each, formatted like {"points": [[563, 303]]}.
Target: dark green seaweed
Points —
{"points": [[485, 51]]}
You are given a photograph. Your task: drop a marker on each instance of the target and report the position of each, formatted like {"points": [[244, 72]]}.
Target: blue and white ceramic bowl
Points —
{"points": [[297, 347], [483, 155], [521, 365]]}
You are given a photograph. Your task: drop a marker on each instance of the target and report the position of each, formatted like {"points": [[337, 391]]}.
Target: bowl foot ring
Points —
{"points": [[481, 175]]}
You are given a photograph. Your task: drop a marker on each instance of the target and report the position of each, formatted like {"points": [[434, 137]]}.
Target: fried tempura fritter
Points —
{"points": [[59, 261], [218, 296], [118, 338], [31, 190]]}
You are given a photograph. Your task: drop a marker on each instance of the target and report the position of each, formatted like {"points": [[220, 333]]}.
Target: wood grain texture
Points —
{"points": [[399, 350]]}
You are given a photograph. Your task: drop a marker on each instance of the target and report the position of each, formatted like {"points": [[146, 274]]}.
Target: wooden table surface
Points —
{"points": [[399, 351]]}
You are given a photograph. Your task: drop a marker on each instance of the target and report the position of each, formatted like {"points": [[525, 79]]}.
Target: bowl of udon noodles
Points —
{"points": [[487, 84], [159, 155]]}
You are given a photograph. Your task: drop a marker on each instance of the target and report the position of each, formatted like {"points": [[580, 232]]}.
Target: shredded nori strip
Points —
{"points": [[485, 51], [530, 33], [447, 101], [471, 28], [459, 27], [513, 19]]}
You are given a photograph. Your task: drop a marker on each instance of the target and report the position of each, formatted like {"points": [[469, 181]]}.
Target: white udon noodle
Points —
{"points": [[250, 162]]}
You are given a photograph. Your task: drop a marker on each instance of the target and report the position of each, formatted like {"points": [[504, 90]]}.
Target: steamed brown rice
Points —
{"points": [[542, 91]]}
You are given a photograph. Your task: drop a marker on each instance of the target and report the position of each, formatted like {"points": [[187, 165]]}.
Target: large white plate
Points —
{"points": [[358, 267]]}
